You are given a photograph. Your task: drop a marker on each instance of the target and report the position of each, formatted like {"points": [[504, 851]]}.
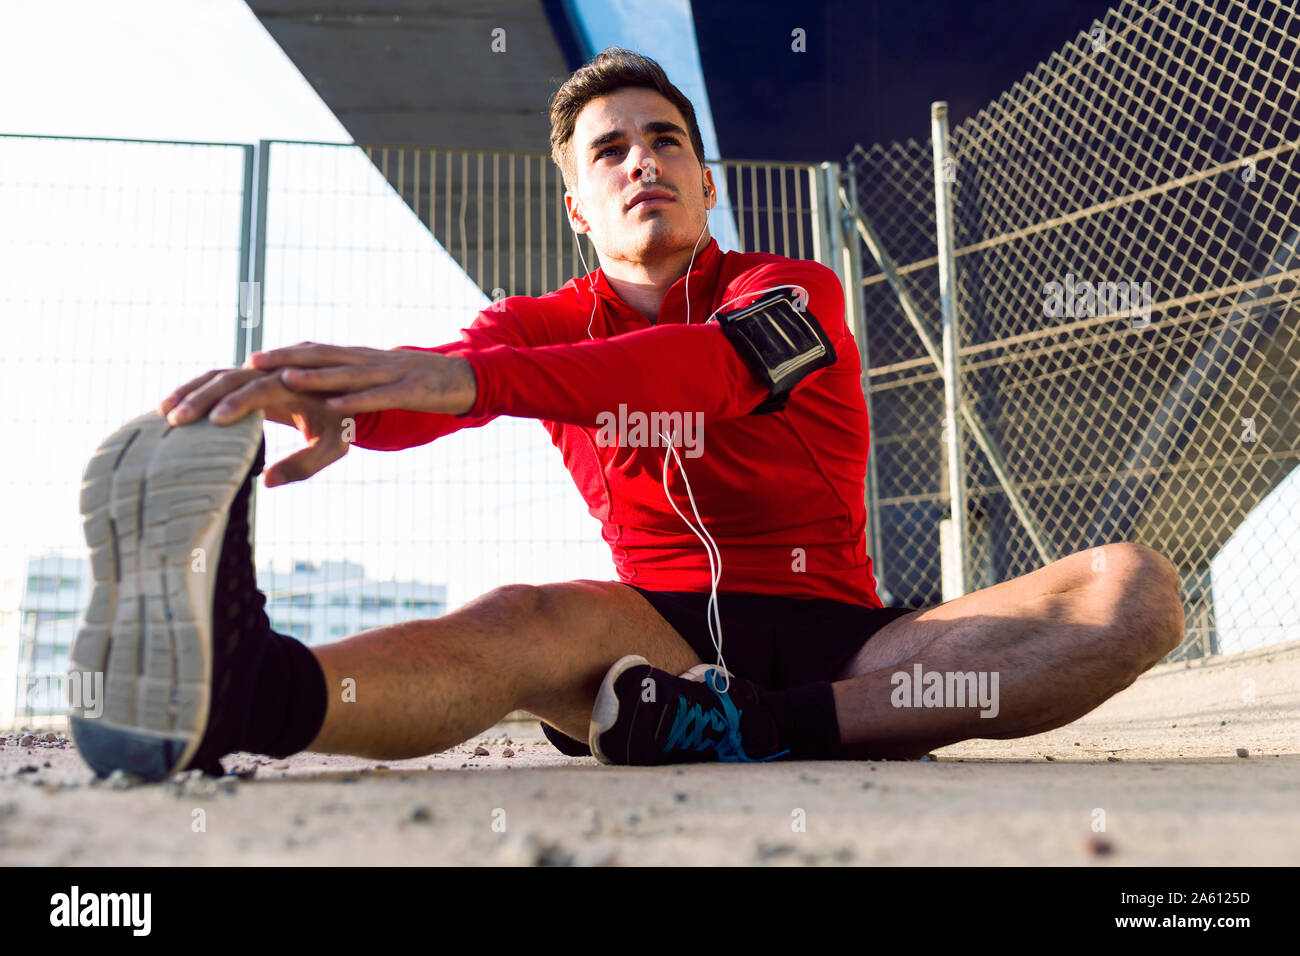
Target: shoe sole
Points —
{"points": [[155, 500], [604, 714]]}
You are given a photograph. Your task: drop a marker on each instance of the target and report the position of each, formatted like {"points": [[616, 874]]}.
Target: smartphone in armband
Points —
{"points": [[781, 341]]}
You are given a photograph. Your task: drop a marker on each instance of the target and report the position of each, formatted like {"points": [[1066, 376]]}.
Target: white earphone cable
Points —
{"points": [[714, 618]]}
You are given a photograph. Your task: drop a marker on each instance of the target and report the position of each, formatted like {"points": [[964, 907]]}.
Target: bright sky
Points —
{"points": [[153, 69]]}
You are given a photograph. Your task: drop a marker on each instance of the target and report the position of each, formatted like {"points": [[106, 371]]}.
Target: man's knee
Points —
{"points": [[548, 610], [517, 611], [1142, 592]]}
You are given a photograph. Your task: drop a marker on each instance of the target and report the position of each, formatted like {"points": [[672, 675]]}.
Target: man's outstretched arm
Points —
{"points": [[412, 395], [667, 368]]}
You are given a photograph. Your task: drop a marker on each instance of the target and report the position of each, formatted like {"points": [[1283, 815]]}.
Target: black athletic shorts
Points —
{"points": [[776, 642]]}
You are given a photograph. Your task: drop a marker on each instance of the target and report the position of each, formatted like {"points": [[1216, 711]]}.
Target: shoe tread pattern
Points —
{"points": [[151, 495]]}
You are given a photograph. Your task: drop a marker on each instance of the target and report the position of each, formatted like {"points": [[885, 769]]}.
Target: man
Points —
{"points": [[770, 515]]}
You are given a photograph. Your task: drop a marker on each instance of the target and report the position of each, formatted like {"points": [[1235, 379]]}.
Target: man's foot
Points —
{"points": [[175, 625], [644, 716]]}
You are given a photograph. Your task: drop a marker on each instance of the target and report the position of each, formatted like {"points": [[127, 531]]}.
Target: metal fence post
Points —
{"points": [[944, 175], [252, 290], [856, 314], [818, 202], [831, 225], [258, 289], [245, 253]]}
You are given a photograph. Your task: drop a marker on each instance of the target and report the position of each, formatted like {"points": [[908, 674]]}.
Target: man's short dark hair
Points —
{"points": [[610, 70]]}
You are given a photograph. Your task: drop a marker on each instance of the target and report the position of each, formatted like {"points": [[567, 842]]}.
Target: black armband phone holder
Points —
{"points": [[781, 341]]}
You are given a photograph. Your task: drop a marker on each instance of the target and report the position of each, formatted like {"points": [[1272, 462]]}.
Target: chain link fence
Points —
{"points": [[1126, 256]]}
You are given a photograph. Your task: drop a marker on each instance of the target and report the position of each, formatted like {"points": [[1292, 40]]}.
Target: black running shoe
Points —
{"points": [[644, 716], [175, 626]]}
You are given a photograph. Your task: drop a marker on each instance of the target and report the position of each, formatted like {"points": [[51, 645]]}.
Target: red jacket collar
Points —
{"points": [[703, 275]]}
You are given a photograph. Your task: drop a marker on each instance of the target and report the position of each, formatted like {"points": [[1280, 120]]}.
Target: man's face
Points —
{"points": [[626, 145]]}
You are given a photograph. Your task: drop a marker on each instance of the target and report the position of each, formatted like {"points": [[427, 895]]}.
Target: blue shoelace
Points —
{"points": [[692, 721]]}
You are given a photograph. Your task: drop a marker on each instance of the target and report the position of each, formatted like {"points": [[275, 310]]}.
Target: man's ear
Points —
{"points": [[711, 191], [574, 214]]}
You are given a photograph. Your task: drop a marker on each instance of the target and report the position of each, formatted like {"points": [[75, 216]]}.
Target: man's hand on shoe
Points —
{"points": [[237, 391], [371, 380]]}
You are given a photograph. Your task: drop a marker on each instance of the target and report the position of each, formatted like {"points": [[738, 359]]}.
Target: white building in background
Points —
{"points": [[320, 603], [314, 602], [39, 628]]}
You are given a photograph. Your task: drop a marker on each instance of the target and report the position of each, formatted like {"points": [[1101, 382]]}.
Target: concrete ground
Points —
{"points": [[1157, 766]]}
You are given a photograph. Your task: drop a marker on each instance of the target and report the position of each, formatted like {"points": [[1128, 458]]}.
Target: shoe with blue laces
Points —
{"points": [[646, 717]]}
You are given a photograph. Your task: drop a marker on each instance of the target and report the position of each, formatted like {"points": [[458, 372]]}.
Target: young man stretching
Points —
{"points": [[662, 333]]}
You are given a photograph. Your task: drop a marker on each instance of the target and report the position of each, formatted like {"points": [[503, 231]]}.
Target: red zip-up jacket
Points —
{"points": [[782, 494]]}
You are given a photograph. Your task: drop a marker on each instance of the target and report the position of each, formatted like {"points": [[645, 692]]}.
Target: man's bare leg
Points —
{"points": [[424, 686], [1062, 639]]}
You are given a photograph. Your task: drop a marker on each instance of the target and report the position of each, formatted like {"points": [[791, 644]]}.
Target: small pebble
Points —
{"points": [[596, 856], [52, 737], [421, 814], [766, 851], [1112, 759], [532, 850], [26, 740], [679, 797], [482, 752], [1098, 845], [1048, 757], [507, 752], [1243, 752], [121, 780]]}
